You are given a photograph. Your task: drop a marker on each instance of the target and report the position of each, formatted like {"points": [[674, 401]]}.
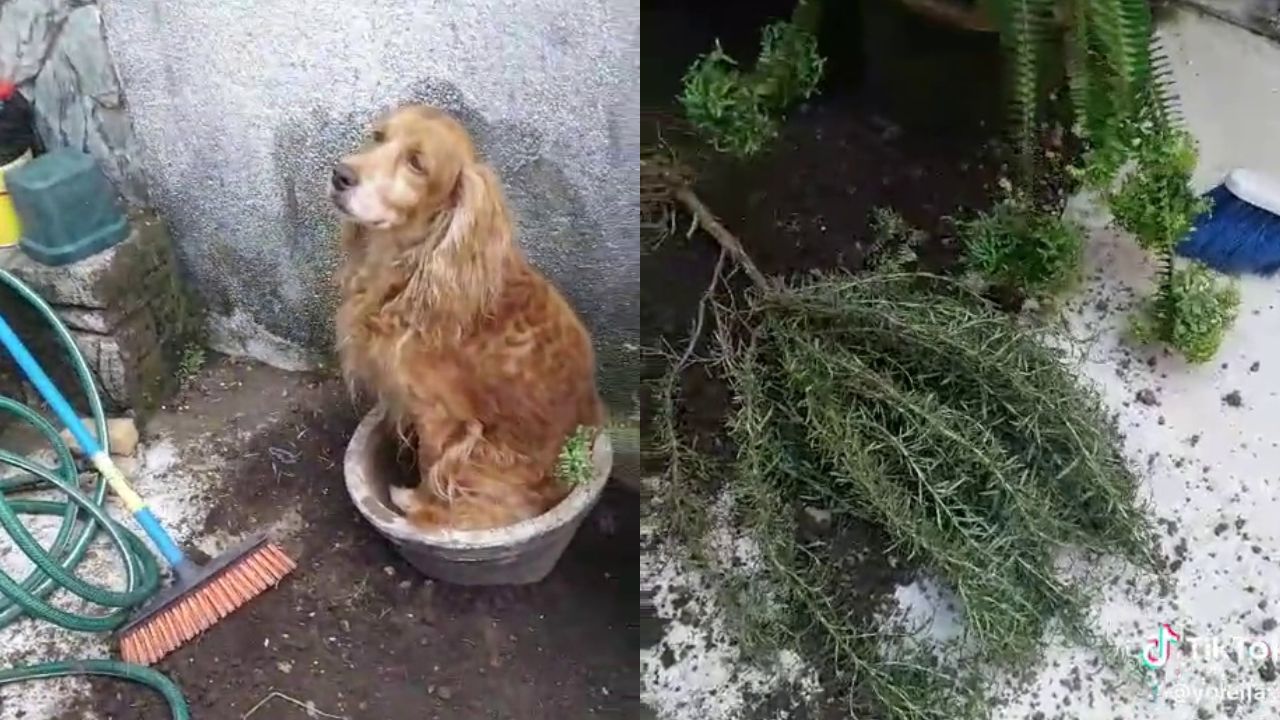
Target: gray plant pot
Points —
{"points": [[519, 554]]}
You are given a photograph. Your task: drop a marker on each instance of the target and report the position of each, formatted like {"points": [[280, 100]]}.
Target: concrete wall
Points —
{"points": [[1226, 70], [1261, 17], [242, 106]]}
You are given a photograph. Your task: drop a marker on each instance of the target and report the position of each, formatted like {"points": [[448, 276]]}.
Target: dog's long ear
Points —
{"points": [[479, 217], [461, 274]]}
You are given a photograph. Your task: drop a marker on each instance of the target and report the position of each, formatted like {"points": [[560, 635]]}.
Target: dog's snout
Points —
{"points": [[344, 176]]}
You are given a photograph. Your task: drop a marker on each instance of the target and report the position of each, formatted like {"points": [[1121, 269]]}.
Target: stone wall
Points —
{"points": [[126, 311], [56, 52]]}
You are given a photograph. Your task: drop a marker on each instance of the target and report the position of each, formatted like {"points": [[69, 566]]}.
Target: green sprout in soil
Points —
{"points": [[894, 241], [192, 362], [739, 110], [1024, 248], [574, 466], [902, 401]]}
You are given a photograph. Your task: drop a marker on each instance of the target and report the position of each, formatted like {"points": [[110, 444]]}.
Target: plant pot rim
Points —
{"points": [[358, 461]]}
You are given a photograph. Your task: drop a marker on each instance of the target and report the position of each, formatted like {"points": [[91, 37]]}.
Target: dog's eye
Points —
{"points": [[378, 136], [415, 163]]}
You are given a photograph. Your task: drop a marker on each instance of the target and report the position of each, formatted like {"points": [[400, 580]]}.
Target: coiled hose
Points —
{"points": [[83, 519]]}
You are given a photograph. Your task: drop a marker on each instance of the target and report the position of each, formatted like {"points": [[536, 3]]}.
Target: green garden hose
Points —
{"points": [[83, 518]]}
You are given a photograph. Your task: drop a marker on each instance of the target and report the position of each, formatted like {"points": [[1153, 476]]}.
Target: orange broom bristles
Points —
{"points": [[150, 638]]}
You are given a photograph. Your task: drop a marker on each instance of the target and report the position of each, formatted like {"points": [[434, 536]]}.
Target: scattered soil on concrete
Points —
{"points": [[356, 633]]}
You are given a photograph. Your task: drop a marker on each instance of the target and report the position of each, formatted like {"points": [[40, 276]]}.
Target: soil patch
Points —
{"points": [[911, 118], [357, 633]]}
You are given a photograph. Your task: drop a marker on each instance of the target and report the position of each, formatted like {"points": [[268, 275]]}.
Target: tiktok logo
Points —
{"points": [[1156, 654]]}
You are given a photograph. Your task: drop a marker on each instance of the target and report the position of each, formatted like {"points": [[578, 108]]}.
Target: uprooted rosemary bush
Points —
{"points": [[901, 401]]}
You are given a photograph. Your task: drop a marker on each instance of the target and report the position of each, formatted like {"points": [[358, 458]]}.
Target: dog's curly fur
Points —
{"points": [[481, 364]]}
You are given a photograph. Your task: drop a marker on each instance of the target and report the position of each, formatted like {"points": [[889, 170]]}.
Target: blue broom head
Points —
{"points": [[1234, 237]]}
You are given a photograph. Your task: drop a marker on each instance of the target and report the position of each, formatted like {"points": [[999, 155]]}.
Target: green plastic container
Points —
{"points": [[67, 207]]}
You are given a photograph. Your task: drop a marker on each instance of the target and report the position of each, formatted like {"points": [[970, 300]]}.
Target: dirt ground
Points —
{"points": [[356, 633], [898, 124]]}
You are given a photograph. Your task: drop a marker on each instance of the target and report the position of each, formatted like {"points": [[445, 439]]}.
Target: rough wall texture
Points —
{"points": [[56, 53], [242, 106]]}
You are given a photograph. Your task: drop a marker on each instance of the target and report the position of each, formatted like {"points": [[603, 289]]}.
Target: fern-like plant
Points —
{"points": [[1115, 70], [1123, 107]]}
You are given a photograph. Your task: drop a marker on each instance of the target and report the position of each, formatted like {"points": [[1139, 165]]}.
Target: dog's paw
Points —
{"points": [[405, 498]]}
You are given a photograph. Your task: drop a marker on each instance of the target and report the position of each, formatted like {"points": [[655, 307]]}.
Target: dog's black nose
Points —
{"points": [[344, 177]]}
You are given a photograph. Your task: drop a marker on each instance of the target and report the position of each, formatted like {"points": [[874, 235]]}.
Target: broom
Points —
{"points": [[1240, 232], [201, 595]]}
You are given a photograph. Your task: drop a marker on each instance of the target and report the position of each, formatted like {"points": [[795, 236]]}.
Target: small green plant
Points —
{"points": [[1193, 315], [1191, 310], [1019, 246], [193, 360], [894, 241], [1155, 201], [574, 466], [739, 111]]}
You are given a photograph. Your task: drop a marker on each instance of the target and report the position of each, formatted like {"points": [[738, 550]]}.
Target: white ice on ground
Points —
{"points": [[698, 671]]}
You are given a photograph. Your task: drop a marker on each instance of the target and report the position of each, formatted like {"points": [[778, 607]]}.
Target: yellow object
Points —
{"points": [[10, 228], [119, 485]]}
